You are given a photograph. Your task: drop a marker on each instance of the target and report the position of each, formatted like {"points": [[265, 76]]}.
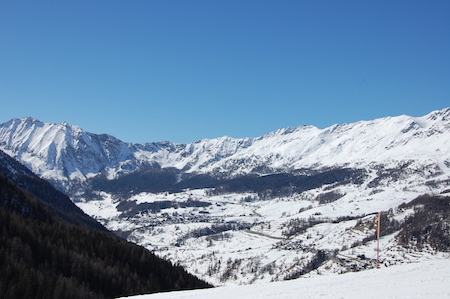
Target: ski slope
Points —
{"points": [[428, 279]]}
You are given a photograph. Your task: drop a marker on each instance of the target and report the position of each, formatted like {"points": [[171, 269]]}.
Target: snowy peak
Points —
{"points": [[62, 152], [394, 138], [440, 115]]}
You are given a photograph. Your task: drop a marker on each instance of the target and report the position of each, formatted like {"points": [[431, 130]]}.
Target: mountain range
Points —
{"points": [[66, 154], [294, 202]]}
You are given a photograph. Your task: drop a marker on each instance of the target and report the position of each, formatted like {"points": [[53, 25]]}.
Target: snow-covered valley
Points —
{"points": [[237, 239], [297, 202]]}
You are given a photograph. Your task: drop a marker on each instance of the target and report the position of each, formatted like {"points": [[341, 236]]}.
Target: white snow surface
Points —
{"points": [[262, 254], [427, 279], [61, 151]]}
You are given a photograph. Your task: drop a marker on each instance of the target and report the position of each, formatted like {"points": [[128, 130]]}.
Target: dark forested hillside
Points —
{"points": [[268, 186], [47, 195], [429, 225], [51, 249], [43, 256]]}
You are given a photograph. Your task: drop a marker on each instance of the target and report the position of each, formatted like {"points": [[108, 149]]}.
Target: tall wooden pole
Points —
{"points": [[378, 240]]}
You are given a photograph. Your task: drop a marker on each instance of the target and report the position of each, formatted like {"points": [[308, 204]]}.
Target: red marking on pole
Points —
{"points": [[378, 240]]}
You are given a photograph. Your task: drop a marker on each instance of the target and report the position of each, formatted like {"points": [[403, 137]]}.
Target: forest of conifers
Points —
{"points": [[43, 256]]}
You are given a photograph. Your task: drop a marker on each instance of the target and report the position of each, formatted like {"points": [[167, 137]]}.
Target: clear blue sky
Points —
{"points": [[181, 71]]}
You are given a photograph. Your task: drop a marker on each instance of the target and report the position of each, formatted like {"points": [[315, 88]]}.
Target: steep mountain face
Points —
{"points": [[67, 155], [295, 202], [61, 152]]}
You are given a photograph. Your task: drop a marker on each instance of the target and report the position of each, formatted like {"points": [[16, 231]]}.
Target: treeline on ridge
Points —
{"points": [[158, 179]]}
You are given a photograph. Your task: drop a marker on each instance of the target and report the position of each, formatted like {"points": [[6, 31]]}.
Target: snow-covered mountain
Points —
{"points": [[295, 202], [65, 153], [61, 152]]}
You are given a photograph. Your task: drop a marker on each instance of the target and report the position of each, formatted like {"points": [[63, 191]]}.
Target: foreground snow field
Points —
{"points": [[427, 279]]}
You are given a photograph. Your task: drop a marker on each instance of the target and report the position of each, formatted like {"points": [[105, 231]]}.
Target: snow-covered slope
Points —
{"points": [[62, 152], [418, 280]]}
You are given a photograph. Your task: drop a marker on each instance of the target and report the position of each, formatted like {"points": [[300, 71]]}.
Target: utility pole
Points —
{"points": [[378, 240]]}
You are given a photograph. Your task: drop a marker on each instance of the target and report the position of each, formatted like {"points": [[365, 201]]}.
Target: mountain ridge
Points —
{"points": [[63, 152]]}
